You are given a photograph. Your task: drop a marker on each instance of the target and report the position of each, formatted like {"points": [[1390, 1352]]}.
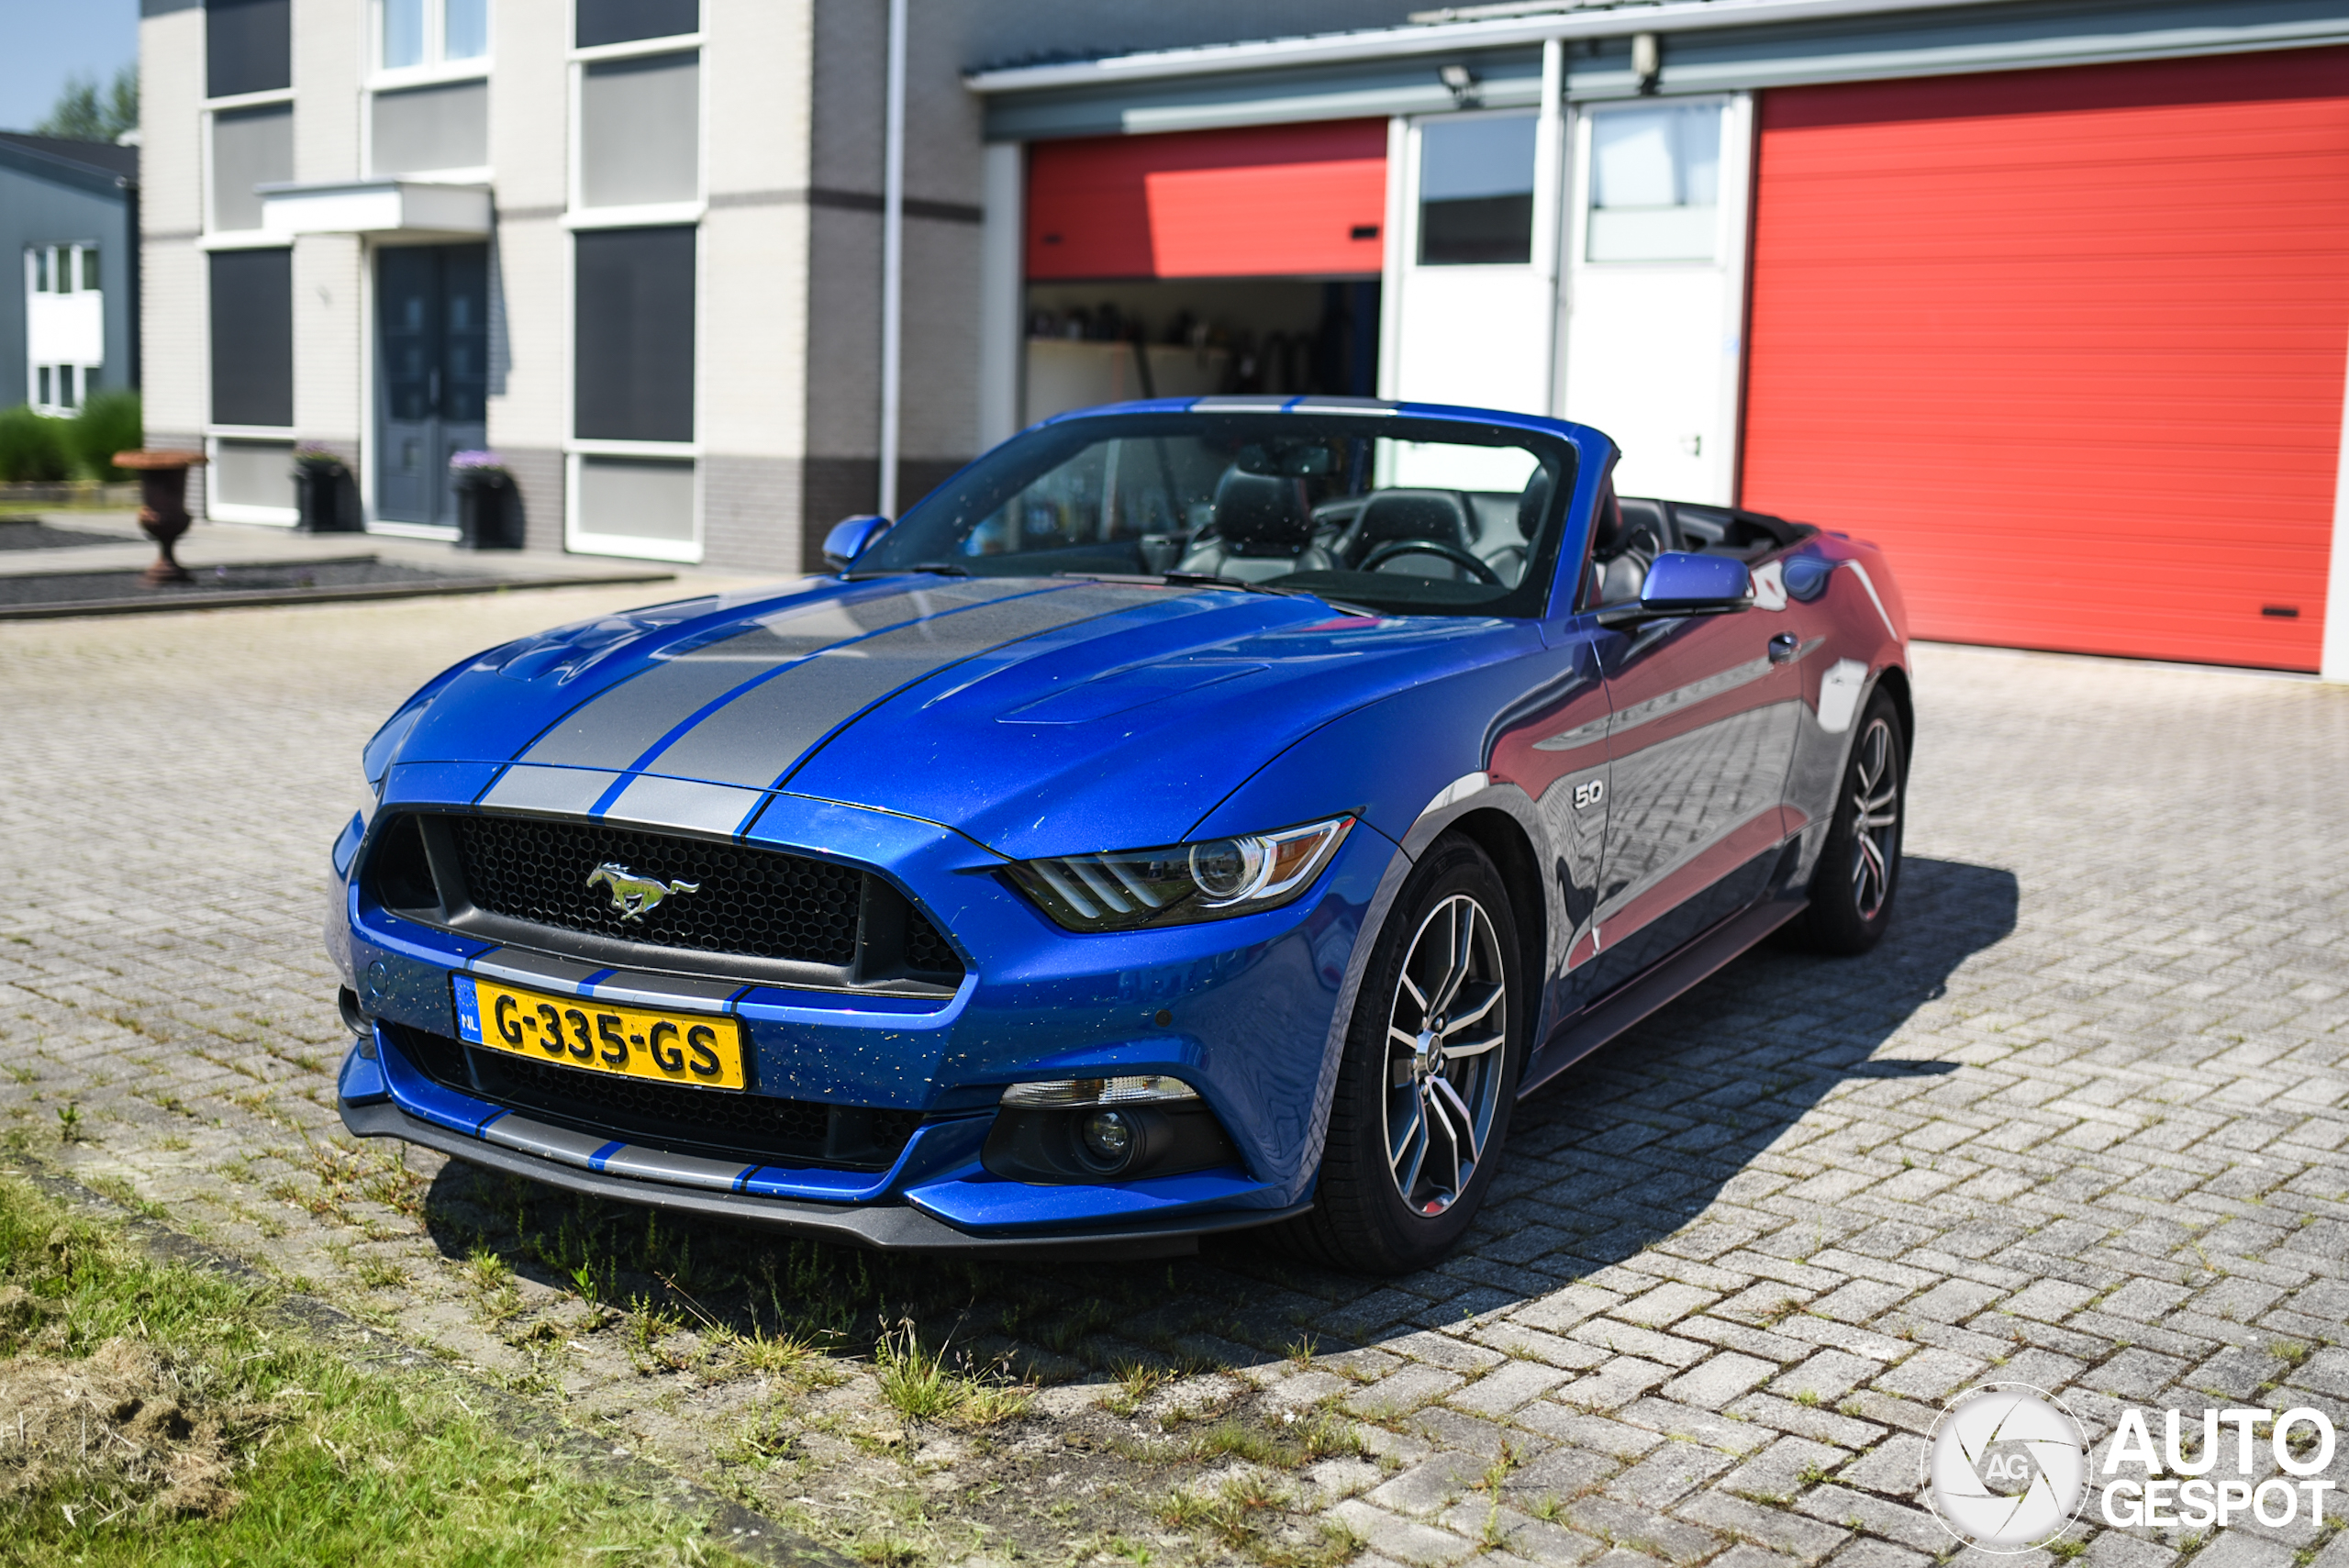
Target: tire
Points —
{"points": [[1462, 1073], [1852, 888]]}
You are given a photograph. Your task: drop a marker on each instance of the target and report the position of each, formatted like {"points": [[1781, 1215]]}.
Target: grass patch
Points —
{"points": [[1247, 1514], [172, 1419], [1318, 1436], [920, 1384]]}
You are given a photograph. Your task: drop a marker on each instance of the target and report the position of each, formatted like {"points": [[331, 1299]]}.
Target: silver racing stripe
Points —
{"points": [[620, 726], [757, 738]]}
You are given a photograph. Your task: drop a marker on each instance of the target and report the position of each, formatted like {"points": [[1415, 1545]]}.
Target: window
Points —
{"points": [[430, 127], [628, 503], [633, 335], [257, 475], [1468, 525], [431, 32], [1476, 191], [63, 269], [624, 21], [247, 47], [60, 389], [640, 130], [65, 329], [249, 147], [1656, 177], [252, 337]]}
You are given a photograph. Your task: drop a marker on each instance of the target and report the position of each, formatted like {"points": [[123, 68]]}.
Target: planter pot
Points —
{"points": [[486, 516], [318, 490], [162, 486]]}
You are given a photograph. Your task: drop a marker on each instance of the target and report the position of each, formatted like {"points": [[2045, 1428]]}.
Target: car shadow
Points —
{"points": [[1640, 1139], [1620, 1153]]}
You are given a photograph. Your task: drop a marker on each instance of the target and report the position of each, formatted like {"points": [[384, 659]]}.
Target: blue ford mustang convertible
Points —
{"points": [[1192, 816]]}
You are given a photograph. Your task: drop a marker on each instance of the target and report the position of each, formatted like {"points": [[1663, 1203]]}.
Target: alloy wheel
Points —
{"points": [[1446, 1036], [1876, 818]]}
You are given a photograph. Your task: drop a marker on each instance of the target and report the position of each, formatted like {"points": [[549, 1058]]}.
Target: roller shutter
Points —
{"points": [[2069, 344], [1269, 200]]}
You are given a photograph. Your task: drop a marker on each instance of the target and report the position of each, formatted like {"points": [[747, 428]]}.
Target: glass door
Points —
{"points": [[431, 374], [1656, 273], [1476, 296]]}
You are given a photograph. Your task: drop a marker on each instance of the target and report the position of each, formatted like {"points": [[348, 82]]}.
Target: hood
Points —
{"points": [[1037, 717]]}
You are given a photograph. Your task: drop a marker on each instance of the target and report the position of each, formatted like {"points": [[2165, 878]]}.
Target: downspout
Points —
{"points": [[135, 252], [1550, 209], [893, 259]]}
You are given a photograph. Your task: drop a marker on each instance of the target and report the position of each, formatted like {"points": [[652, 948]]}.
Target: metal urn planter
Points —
{"points": [[163, 512]]}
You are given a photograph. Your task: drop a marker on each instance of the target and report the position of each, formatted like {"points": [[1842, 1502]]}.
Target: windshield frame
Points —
{"points": [[984, 486]]}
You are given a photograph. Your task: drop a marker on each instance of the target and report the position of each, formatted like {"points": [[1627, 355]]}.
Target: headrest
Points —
{"points": [[1644, 526], [1607, 528], [1532, 503], [1261, 514], [1439, 515]]}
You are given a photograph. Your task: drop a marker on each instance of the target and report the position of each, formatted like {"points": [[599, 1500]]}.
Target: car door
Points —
{"points": [[1552, 745], [1700, 727]]}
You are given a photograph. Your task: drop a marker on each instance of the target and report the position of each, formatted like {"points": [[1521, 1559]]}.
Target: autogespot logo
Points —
{"points": [[2007, 1468]]}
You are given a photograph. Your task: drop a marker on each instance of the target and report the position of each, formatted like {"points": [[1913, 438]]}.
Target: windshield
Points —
{"points": [[1412, 517]]}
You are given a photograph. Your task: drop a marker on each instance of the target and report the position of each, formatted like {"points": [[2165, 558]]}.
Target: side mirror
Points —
{"points": [[1683, 584], [852, 536]]}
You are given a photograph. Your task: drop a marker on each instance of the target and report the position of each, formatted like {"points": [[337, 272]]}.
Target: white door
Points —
{"points": [[1469, 323], [1654, 287]]}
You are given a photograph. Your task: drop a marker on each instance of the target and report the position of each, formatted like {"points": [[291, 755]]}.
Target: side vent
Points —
{"points": [[401, 873]]}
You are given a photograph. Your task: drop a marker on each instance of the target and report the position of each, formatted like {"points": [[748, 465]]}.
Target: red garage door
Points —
{"points": [[2069, 344], [1265, 202]]}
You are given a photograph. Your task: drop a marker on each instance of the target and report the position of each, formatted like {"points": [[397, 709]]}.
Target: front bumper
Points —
{"points": [[1245, 1010], [886, 1228]]}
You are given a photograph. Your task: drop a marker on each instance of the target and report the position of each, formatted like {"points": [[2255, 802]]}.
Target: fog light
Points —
{"points": [[1108, 1137]]}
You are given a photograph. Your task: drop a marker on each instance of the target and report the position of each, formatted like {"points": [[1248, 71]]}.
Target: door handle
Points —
{"points": [[1785, 646]]}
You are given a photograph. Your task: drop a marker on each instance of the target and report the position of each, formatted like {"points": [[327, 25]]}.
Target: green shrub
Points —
{"points": [[109, 422], [32, 446]]}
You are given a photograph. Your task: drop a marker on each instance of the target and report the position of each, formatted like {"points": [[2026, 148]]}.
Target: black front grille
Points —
{"points": [[719, 907], [760, 903], [926, 950], [755, 1129]]}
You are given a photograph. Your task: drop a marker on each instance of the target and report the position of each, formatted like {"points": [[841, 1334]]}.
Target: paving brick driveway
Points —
{"points": [[2079, 1124]]}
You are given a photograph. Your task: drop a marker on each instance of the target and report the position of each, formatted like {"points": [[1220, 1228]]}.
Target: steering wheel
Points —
{"points": [[1452, 553]]}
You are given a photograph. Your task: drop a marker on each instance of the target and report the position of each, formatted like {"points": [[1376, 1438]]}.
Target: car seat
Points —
{"points": [[1393, 516], [1506, 553], [1263, 529], [1633, 531]]}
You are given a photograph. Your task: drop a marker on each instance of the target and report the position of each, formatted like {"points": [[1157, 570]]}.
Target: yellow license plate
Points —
{"points": [[604, 1037]]}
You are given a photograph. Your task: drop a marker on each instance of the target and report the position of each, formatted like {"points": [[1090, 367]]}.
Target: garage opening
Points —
{"points": [[2068, 344], [1201, 262]]}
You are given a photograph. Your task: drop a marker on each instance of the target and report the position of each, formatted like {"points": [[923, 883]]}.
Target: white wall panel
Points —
{"points": [[170, 214], [754, 295], [529, 284], [329, 56], [328, 323]]}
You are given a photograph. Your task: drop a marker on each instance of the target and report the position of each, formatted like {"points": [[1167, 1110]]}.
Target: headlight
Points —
{"points": [[1203, 881]]}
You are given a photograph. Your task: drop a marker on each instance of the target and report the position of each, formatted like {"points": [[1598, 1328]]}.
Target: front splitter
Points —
{"points": [[884, 1228]]}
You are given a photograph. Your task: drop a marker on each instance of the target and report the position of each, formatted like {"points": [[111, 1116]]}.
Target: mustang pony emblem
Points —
{"points": [[636, 897]]}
